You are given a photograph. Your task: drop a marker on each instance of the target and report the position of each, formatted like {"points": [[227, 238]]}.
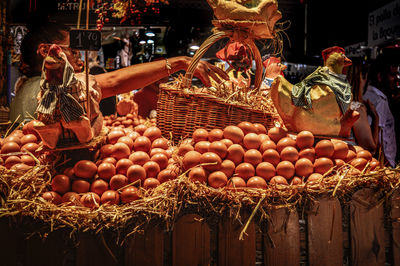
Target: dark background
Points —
{"points": [[329, 23]]}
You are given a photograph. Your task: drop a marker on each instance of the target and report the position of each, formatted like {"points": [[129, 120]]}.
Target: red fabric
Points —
{"points": [[236, 54], [325, 53], [234, 51], [146, 99], [271, 60], [273, 67]]}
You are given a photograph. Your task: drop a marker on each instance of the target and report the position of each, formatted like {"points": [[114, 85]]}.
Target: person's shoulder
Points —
{"points": [[30, 86], [31, 81], [375, 96], [375, 92]]}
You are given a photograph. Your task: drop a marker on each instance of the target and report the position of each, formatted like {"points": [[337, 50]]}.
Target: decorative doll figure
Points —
{"points": [[321, 102], [62, 101]]}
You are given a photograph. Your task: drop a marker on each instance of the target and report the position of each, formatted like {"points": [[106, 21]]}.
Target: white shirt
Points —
{"points": [[386, 122]]}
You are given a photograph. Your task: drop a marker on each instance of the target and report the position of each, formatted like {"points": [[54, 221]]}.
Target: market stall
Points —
{"points": [[223, 176], [348, 214]]}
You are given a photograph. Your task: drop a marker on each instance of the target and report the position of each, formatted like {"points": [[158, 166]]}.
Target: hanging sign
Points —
{"points": [[356, 50], [384, 24], [89, 40]]}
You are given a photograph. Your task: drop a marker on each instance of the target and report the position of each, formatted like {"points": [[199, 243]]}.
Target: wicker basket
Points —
{"points": [[181, 110], [181, 113]]}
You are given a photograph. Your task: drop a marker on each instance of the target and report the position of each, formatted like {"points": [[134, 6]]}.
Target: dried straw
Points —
{"points": [[230, 93], [20, 195]]}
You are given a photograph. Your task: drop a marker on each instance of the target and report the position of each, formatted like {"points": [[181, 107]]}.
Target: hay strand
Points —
{"points": [[163, 205]]}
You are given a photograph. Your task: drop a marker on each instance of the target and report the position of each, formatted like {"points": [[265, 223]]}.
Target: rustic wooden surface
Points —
{"points": [[4, 46], [367, 229], [231, 250], [96, 251], [325, 234], [395, 215], [9, 245], [145, 249], [46, 252], [191, 241], [282, 239]]}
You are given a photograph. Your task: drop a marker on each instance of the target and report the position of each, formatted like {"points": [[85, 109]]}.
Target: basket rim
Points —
{"points": [[213, 98]]}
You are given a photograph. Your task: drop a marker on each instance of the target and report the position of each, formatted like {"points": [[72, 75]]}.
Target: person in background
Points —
{"points": [[375, 92], [107, 105], [390, 84], [366, 135], [394, 104], [126, 51], [27, 87], [43, 33], [147, 98]]}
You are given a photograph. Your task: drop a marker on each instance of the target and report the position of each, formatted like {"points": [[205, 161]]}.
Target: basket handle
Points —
{"points": [[216, 36]]}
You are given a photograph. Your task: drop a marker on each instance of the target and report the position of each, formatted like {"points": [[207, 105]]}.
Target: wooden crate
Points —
{"points": [[324, 233]]}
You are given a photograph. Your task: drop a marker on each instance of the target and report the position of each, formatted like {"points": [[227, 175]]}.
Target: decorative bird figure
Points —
{"points": [[321, 102]]}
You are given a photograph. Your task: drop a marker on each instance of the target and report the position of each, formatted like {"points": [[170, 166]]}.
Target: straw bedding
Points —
{"points": [[20, 197]]}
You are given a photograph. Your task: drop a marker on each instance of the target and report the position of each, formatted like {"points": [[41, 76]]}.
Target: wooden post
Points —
{"points": [[395, 216], [282, 239], [46, 252], [325, 234], [191, 241], [4, 48], [87, 65], [9, 244], [367, 229], [231, 250], [96, 250], [145, 249]]}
